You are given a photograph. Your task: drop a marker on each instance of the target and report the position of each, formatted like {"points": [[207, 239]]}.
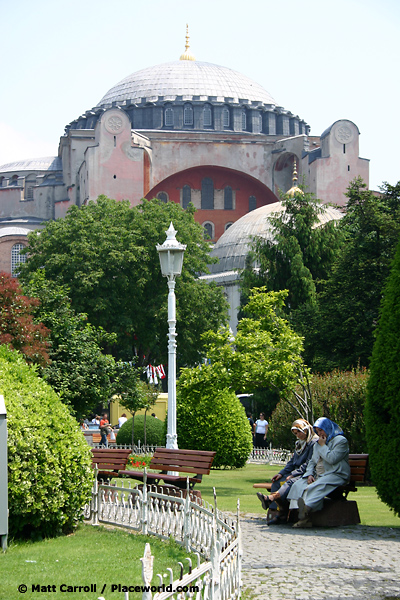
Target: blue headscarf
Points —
{"points": [[331, 429]]}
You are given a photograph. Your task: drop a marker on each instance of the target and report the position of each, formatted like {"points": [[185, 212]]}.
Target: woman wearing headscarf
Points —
{"points": [[294, 469], [327, 469]]}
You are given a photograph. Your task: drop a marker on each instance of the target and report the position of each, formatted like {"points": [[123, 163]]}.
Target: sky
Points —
{"points": [[322, 60]]}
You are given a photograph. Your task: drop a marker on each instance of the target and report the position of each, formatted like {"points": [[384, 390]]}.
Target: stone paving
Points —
{"points": [[353, 562]]}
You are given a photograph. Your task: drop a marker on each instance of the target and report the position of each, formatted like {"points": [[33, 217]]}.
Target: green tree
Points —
{"points": [[17, 327], [299, 252], [383, 395], [350, 298], [266, 353], [105, 253], [79, 370]]}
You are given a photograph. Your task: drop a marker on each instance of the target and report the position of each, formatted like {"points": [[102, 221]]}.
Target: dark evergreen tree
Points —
{"points": [[383, 395], [348, 305], [298, 254]]}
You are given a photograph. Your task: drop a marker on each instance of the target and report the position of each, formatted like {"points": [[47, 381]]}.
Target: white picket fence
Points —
{"points": [[272, 456], [196, 525]]}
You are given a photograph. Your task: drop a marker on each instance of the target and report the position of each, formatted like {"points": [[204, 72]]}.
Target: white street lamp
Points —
{"points": [[171, 260]]}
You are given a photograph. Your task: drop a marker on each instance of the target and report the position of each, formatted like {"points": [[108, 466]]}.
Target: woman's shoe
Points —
{"points": [[264, 500], [303, 524]]}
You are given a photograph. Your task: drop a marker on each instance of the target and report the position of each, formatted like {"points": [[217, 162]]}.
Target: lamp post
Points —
{"points": [[171, 260]]}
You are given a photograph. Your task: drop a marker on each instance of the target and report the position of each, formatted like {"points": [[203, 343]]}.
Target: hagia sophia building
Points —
{"points": [[183, 131]]}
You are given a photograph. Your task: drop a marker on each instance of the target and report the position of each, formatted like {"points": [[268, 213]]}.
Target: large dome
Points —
{"points": [[190, 80]]}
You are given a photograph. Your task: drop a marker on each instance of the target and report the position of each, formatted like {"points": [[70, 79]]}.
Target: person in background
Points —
{"points": [[260, 429], [105, 429], [122, 419]]}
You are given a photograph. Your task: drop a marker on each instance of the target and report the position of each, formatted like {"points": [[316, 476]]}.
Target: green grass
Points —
{"points": [[90, 555], [238, 483]]}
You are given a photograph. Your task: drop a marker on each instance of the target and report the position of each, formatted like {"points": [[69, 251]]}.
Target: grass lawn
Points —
{"points": [[92, 555], [238, 483]]}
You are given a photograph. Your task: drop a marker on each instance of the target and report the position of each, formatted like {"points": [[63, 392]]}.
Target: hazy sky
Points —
{"points": [[321, 60]]}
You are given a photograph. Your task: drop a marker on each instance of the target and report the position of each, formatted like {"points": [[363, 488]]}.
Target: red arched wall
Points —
{"points": [[243, 185]]}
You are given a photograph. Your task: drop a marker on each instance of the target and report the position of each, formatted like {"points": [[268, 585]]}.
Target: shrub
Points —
{"points": [[155, 435], [340, 396], [209, 418], [383, 397], [49, 461]]}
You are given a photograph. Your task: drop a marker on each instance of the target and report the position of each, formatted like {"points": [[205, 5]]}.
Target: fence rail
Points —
{"points": [[195, 524]]}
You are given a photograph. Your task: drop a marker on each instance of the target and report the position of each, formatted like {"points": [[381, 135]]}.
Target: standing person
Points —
{"points": [[291, 472], [260, 429], [122, 419], [327, 469], [105, 429]]}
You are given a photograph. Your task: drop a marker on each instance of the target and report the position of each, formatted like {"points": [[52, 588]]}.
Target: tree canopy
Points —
{"points": [[298, 254], [383, 395], [105, 253], [350, 298], [78, 370]]}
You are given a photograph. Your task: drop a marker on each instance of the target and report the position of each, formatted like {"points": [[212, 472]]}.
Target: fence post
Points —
{"points": [[187, 524], [215, 557], [147, 571], [240, 549], [95, 499], [144, 504]]}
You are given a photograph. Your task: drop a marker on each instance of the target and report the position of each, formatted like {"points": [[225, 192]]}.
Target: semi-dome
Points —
{"points": [[234, 245], [190, 80]]}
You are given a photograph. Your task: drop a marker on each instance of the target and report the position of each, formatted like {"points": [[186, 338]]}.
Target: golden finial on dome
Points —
{"points": [[294, 189], [187, 55]]}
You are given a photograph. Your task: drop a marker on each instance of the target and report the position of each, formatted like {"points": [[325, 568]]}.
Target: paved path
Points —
{"points": [[354, 562]]}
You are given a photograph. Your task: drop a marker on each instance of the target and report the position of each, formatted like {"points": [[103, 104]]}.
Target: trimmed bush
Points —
{"points": [[49, 462], [383, 397], [155, 432], [340, 396], [209, 418]]}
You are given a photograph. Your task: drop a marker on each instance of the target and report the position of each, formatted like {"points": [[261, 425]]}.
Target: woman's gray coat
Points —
{"points": [[335, 458]]}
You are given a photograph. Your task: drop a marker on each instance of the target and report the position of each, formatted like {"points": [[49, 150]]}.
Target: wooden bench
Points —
{"points": [[109, 461], [96, 438], [195, 462], [337, 509]]}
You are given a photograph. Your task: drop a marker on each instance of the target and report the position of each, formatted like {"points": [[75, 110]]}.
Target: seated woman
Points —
{"points": [[293, 470], [327, 469]]}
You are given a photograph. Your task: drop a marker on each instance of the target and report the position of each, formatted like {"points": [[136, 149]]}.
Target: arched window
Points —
{"points": [[252, 203], [228, 225], [1, 181], [186, 196], [207, 116], [225, 117], [207, 194], [14, 180], [244, 120], [208, 231], [16, 258], [169, 117], [163, 196], [188, 115], [228, 198]]}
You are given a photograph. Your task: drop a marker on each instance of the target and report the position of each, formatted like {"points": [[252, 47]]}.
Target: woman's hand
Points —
{"points": [[322, 439], [276, 477], [310, 479]]}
